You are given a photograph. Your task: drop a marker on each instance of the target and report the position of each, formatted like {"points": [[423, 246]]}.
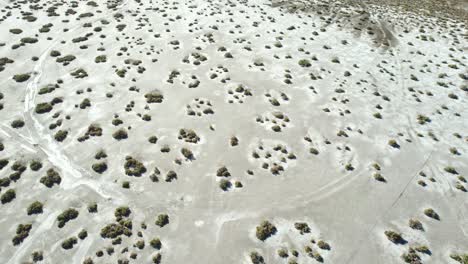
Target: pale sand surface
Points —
{"points": [[348, 118]]}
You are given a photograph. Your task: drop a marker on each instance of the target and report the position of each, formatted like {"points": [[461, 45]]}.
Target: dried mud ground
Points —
{"points": [[142, 131]]}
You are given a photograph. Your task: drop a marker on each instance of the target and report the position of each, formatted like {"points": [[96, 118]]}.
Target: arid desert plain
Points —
{"points": [[234, 131]]}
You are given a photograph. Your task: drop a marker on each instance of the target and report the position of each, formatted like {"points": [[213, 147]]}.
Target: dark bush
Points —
{"points": [[35, 208], [8, 196], [265, 230], [51, 178], [66, 216], [162, 220]]}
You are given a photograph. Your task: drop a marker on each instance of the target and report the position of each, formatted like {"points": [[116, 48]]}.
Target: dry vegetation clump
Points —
{"points": [[22, 232], [133, 167], [66, 216], [265, 230], [154, 97], [8, 196], [120, 134], [302, 227], [52, 177], [35, 208], [395, 237], [162, 220], [429, 212]]}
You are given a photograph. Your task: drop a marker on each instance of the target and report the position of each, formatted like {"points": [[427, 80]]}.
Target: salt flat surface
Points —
{"points": [[232, 132]]}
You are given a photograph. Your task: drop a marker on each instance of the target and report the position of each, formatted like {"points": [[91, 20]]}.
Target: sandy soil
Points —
{"points": [[233, 132]]}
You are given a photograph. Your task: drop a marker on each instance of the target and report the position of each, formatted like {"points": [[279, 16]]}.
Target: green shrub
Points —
{"points": [[156, 243], [265, 230], [302, 227], [431, 213], [42, 108], [17, 123], [52, 177], [22, 232], [304, 63], [162, 220], [35, 165], [35, 208], [69, 243], [120, 134], [224, 184], [394, 237], [61, 135], [66, 216], [100, 167], [8, 196], [21, 77], [121, 212], [133, 167]]}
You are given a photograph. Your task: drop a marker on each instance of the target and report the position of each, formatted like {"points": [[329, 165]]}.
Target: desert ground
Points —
{"points": [[233, 131]]}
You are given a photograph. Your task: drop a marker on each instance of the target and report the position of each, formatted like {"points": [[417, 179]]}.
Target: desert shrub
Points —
{"points": [[3, 163], [154, 97], [61, 135], [415, 224], [187, 153], [234, 141], [188, 135], [88, 261], [223, 172], [171, 175], [112, 231], [323, 245], [17, 123], [42, 108], [429, 212], [22, 232], [304, 63], [35, 165], [411, 257], [126, 185], [162, 220], [256, 258], [82, 234], [100, 167], [8, 196], [394, 237], [153, 139], [66, 216], [450, 170], [462, 258], [156, 243], [69, 243], [283, 253], [52, 177], [393, 143], [93, 208], [16, 31], [224, 184], [133, 167], [265, 230], [21, 77], [379, 177], [157, 258], [121, 212], [302, 227], [55, 53], [120, 134], [100, 59], [101, 154], [37, 256], [35, 208], [85, 103]]}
